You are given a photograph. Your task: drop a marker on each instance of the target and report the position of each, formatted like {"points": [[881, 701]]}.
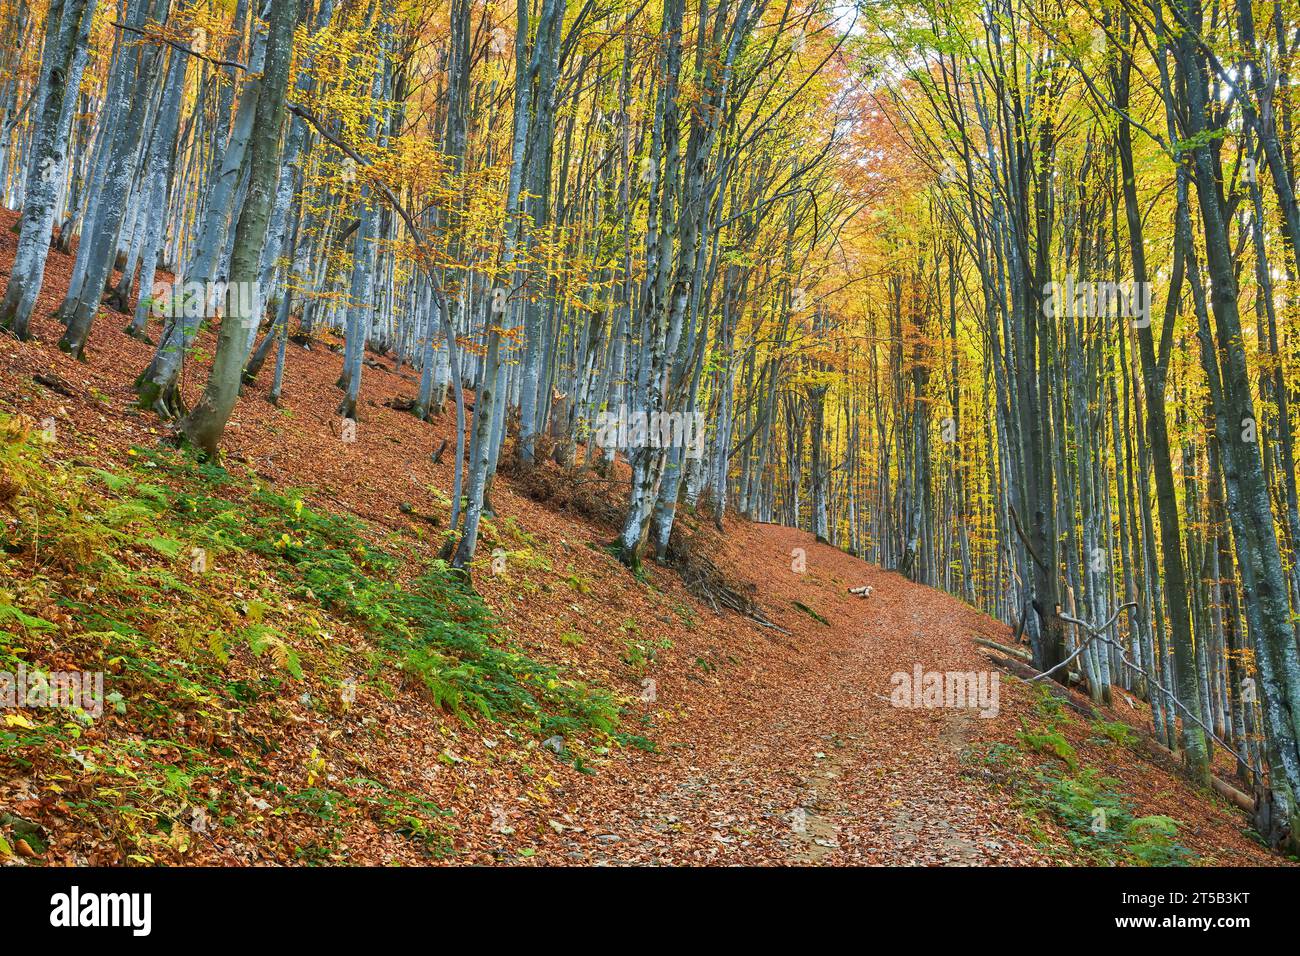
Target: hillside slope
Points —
{"points": [[738, 742]]}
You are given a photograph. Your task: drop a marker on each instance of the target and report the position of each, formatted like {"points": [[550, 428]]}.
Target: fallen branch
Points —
{"points": [[1123, 656], [1019, 652], [1025, 672], [1084, 644], [1226, 790], [1232, 795], [54, 384], [1223, 789], [758, 617], [1025, 540]]}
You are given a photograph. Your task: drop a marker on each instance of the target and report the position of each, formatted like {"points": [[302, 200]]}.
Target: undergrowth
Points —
{"points": [[1100, 825], [439, 630], [212, 603]]}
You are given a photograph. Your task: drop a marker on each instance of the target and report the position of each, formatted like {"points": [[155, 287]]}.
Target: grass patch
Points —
{"points": [[811, 613]]}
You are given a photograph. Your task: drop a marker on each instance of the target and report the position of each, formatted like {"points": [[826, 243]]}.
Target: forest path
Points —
{"points": [[815, 766]]}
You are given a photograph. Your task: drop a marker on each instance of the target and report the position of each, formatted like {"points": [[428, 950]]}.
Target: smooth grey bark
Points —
{"points": [[67, 30], [204, 426], [1195, 748], [491, 388], [158, 386], [650, 395], [139, 67], [1249, 504], [160, 161]]}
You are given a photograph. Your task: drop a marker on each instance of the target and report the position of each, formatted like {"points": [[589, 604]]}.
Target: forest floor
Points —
{"points": [[738, 743]]}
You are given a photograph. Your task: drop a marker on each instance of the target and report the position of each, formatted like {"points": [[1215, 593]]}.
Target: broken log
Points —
{"points": [[1004, 649], [1025, 672]]}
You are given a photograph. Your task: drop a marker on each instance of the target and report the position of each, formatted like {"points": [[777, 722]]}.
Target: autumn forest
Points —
{"points": [[444, 430]]}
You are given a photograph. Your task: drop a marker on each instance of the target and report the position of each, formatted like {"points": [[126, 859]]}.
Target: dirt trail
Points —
{"points": [[817, 761]]}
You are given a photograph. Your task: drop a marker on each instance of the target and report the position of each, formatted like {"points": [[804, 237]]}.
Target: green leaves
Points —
{"points": [[11, 616], [167, 547], [263, 640]]}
